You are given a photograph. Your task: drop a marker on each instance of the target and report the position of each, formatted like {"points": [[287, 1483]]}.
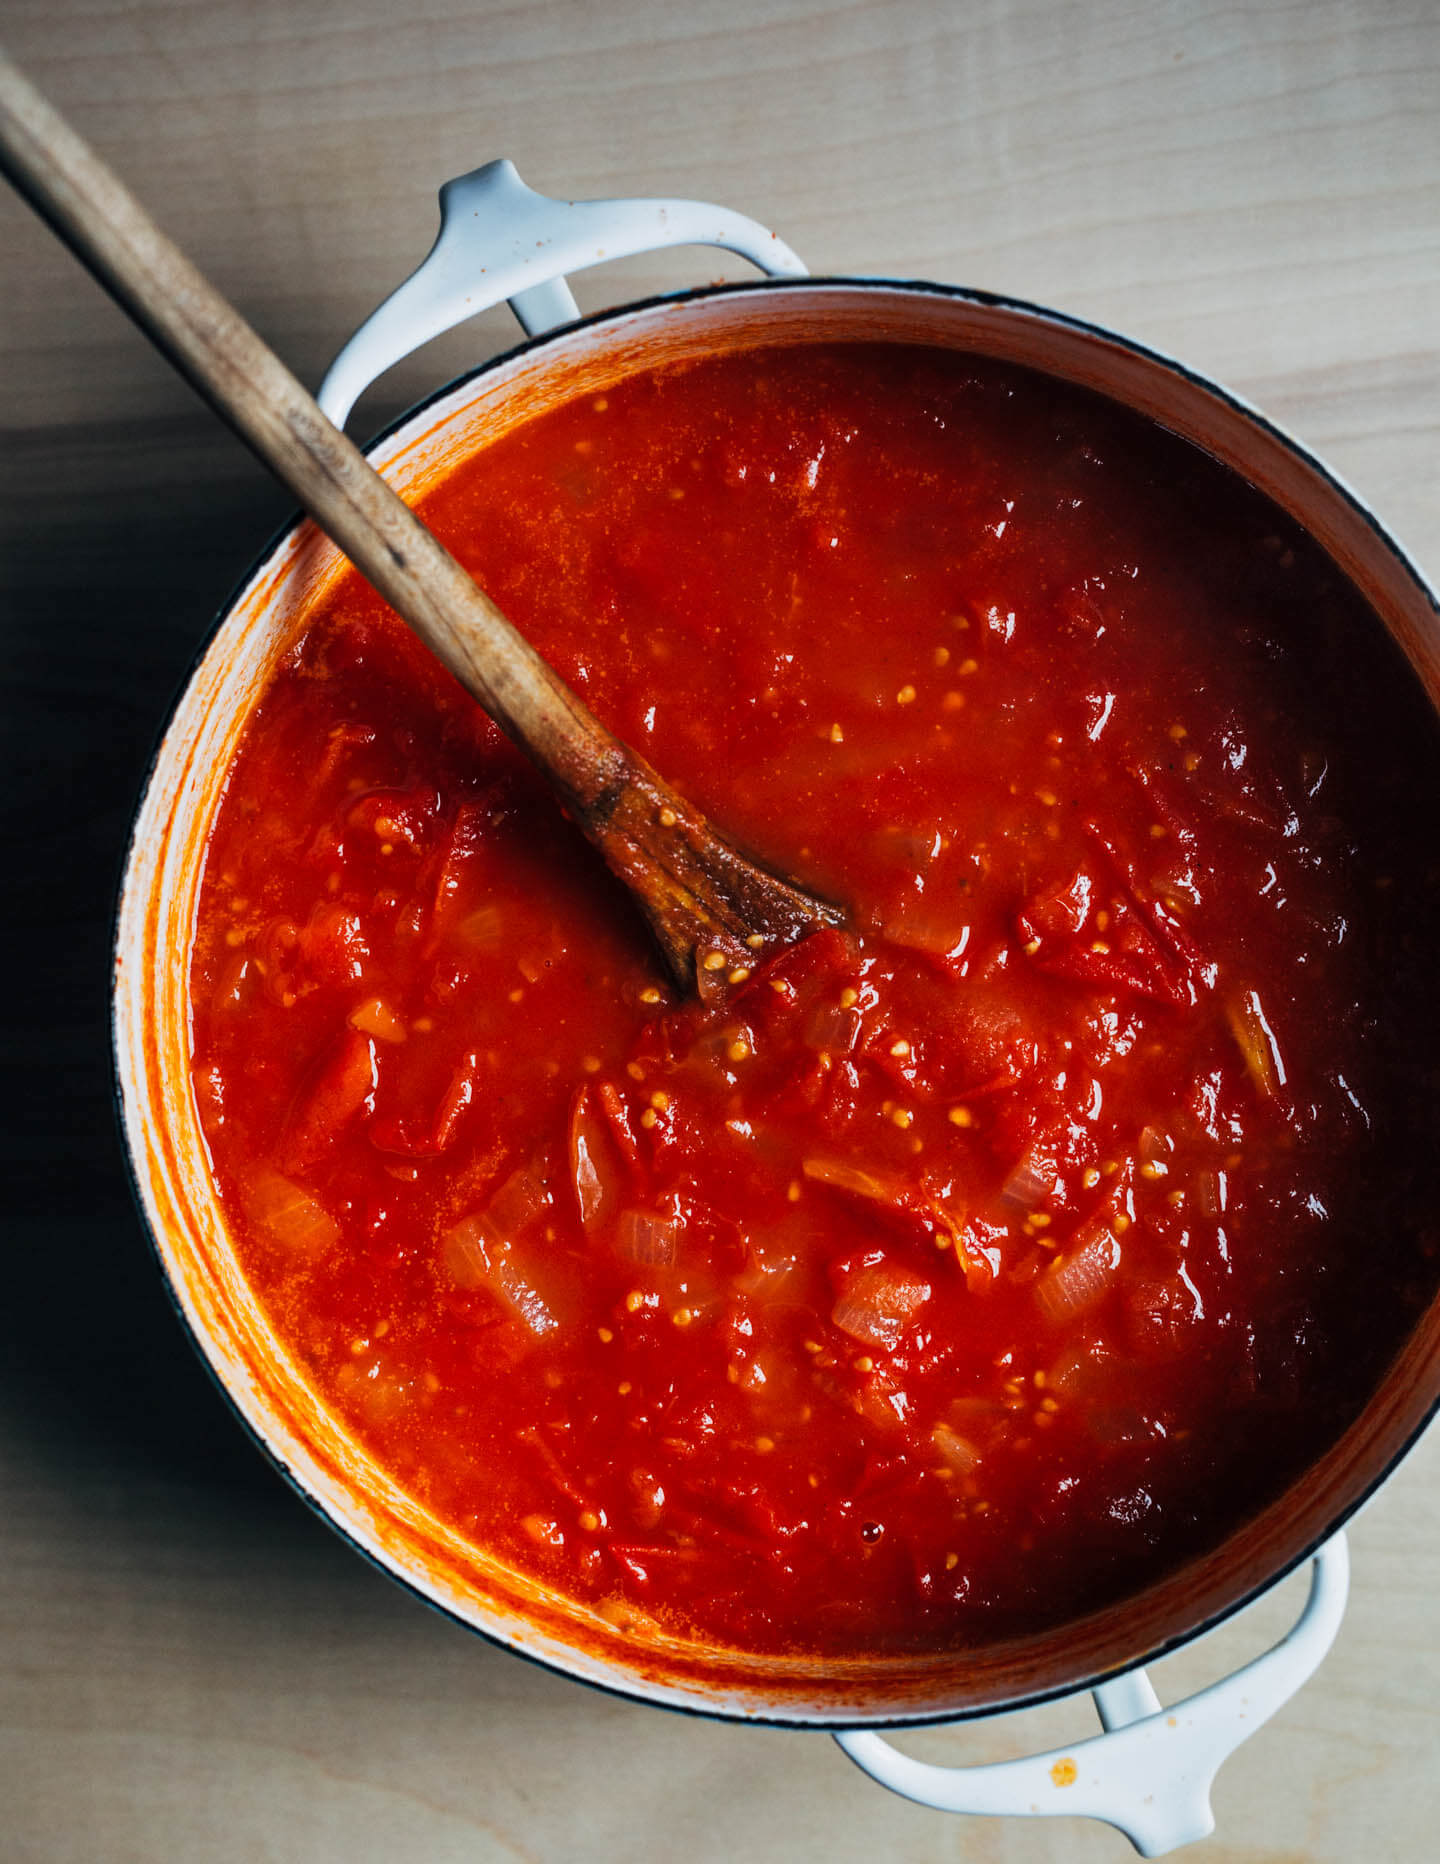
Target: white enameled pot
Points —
{"points": [[1149, 1772]]}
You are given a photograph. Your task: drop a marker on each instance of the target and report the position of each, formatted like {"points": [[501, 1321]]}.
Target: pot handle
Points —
{"points": [[1150, 1772], [500, 239]]}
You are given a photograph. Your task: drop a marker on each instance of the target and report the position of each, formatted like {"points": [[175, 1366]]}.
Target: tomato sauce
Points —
{"points": [[961, 1271]]}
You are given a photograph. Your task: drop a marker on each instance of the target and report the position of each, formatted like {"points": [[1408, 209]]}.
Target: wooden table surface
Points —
{"points": [[191, 1666]]}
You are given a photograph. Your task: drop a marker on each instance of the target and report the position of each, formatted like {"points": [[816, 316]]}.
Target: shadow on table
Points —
{"points": [[115, 550]]}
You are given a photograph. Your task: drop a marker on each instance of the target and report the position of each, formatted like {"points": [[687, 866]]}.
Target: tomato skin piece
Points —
{"points": [[1116, 973], [1144, 950], [800, 970], [344, 1085], [597, 1168], [616, 1113], [402, 1136], [458, 857]]}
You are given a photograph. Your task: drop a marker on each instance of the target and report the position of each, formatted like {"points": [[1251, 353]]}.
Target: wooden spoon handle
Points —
{"points": [[691, 883]]}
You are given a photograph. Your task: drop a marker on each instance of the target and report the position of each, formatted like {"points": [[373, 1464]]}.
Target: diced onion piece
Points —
{"points": [[955, 1451], [833, 1029], [915, 1208], [930, 930], [1155, 1144], [878, 1302], [517, 1203], [851, 1178], [1082, 1368], [374, 1017], [462, 1250], [290, 1216], [1077, 1281], [1030, 1183], [484, 929], [647, 1237], [475, 1256], [1256, 1041]]}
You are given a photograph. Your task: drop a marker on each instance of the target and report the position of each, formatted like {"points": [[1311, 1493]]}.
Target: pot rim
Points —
{"points": [[635, 1688]]}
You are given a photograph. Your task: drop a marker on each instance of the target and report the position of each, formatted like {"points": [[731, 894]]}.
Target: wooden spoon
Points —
{"points": [[710, 907]]}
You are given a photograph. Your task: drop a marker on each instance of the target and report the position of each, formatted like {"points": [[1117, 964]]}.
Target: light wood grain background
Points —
{"points": [[191, 1667]]}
